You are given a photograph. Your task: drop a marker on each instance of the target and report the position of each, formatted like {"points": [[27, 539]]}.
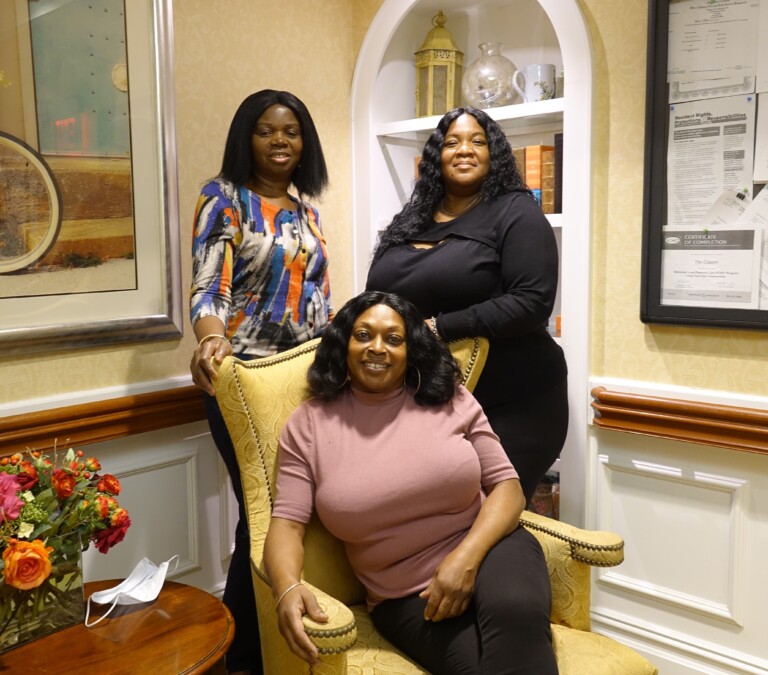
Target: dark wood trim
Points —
{"points": [[690, 421], [78, 425]]}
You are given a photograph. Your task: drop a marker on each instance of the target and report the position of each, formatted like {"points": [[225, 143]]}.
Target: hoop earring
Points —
{"points": [[418, 380], [343, 382]]}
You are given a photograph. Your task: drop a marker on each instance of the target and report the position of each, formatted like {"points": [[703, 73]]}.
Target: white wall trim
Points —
{"points": [[737, 490], [674, 645], [92, 395], [189, 561]]}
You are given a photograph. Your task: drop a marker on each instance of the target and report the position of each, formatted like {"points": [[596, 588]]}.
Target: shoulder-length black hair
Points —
{"points": [[432, 371], [311, 175], [503, 177]]}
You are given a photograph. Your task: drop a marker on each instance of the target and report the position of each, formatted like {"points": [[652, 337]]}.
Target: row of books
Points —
{"points": [[541, 167]]}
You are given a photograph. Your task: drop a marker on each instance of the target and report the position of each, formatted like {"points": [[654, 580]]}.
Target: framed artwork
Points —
{"points": [[705, 255], [89, 246]]}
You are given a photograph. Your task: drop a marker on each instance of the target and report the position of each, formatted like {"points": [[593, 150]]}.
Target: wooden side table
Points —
{"points": [[185, 630]]}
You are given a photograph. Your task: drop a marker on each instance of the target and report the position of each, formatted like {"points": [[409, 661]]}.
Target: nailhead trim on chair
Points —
{"points": [[573, 543], [471, 361], [253, 429], [334, 632]]}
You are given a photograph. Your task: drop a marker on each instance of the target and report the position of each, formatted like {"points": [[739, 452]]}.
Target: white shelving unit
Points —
{"points": [[387, 138]]}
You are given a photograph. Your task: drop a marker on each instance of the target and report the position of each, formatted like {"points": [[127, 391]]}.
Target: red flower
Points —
{"points": [[109, 484], [106, 539], [92, 464], [63, 482], [28, 477]]}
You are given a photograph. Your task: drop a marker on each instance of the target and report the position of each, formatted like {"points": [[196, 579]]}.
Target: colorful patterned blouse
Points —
{"points": [[261, 269]]}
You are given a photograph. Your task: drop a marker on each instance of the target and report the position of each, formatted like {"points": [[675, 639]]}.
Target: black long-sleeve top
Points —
{"points": [[492, 272]]}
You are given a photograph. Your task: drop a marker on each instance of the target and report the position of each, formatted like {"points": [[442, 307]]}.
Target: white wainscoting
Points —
{"points": [[692, 594], [180, 502]]}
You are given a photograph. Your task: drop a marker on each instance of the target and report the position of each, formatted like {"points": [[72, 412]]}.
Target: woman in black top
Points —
{"points": [[474, 252]]}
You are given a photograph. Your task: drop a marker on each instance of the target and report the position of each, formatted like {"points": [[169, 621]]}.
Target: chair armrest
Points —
{"points": [[597, 548], [570, 553], [339, 633]]}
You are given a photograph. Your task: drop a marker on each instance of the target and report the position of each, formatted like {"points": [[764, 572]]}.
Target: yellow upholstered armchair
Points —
{"points": [[256, 397]]}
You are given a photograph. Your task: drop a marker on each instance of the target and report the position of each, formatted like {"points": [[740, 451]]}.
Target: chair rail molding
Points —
{"points": [[99, 415], [721, 419]]}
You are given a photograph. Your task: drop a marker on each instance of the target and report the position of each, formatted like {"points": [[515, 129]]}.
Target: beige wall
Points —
{"points": [[226, 50], [622, 346]]}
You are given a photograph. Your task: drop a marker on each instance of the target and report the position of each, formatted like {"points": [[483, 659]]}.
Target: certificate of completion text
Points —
{"points": [[711, 268]]}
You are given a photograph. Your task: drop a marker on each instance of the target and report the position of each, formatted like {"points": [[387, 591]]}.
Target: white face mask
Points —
{"points": [[142, 585]]}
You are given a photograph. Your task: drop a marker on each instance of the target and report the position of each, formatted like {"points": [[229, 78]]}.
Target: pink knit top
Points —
{"points": [[398, 483]]}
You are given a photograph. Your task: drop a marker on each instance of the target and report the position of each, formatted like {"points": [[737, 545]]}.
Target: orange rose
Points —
{"points": [[27, 563], [63, 483]]}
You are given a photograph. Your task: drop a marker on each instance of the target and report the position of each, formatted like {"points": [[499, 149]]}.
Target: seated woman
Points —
{"points": [[400, 463]]}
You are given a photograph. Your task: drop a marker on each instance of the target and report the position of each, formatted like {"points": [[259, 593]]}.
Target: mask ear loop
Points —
{"points": [[103, 616]]}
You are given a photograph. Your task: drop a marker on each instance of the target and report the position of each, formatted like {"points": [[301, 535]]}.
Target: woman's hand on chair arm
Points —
{"points": [[212, 342], [284, 560], [450, 589]]}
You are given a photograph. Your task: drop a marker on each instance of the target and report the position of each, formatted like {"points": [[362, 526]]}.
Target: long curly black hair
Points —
{"points": [[432, 371], [503, 177]]}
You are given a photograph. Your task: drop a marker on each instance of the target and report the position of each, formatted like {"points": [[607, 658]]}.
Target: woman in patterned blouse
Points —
{"points": [[260, 283]]}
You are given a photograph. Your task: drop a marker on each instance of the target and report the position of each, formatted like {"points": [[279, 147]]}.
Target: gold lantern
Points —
{"points": [[438, 71]]}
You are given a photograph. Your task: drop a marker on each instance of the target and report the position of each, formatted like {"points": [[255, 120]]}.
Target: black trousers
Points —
{"points": [[245, 650], [532, 431], [505, 630]]}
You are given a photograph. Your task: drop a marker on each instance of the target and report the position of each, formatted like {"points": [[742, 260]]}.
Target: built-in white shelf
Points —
{"points": [[522, 118]]}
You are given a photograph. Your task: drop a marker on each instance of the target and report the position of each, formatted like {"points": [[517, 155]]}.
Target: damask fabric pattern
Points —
{"points": [[261, 269], [256, 397]]}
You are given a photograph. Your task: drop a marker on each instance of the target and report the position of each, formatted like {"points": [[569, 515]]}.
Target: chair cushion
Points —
{"points": [[372, 654], [579, 652]]}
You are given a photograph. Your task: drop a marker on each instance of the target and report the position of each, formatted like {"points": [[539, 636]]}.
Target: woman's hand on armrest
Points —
{"points": [[296, 603], [284, 560]]}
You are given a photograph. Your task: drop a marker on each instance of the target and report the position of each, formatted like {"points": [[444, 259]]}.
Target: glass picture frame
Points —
{"points": [[111, 273]]}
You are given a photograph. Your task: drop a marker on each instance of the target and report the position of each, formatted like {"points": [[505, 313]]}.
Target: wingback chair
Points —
{"points": [[256, 397]]}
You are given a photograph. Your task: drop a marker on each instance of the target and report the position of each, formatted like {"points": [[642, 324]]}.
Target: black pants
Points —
{"points": [[245, 651], [532, 431], [505, 630]]}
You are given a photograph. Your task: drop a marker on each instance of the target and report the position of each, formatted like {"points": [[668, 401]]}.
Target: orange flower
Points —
{"points": [[105, 505], [63, 483], [27, 563], [109, 484]]}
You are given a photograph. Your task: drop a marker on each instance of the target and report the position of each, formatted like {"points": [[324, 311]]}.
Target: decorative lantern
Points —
{"points": [[438, 71]]}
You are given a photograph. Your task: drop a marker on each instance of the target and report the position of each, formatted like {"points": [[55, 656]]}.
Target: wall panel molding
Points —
{"points": [[681, 494], [101, 420], [726, 426]]}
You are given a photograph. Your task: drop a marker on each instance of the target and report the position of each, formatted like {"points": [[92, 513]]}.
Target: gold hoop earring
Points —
{"points": [[343, 382], [418, 380]]}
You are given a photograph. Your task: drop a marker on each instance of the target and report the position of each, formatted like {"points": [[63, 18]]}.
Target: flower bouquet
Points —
{"points": [[51, 508]]}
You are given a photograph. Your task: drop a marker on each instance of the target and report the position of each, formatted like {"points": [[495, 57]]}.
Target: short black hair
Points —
{"points": [[431, 371], [503, 177], [311, 175]]}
